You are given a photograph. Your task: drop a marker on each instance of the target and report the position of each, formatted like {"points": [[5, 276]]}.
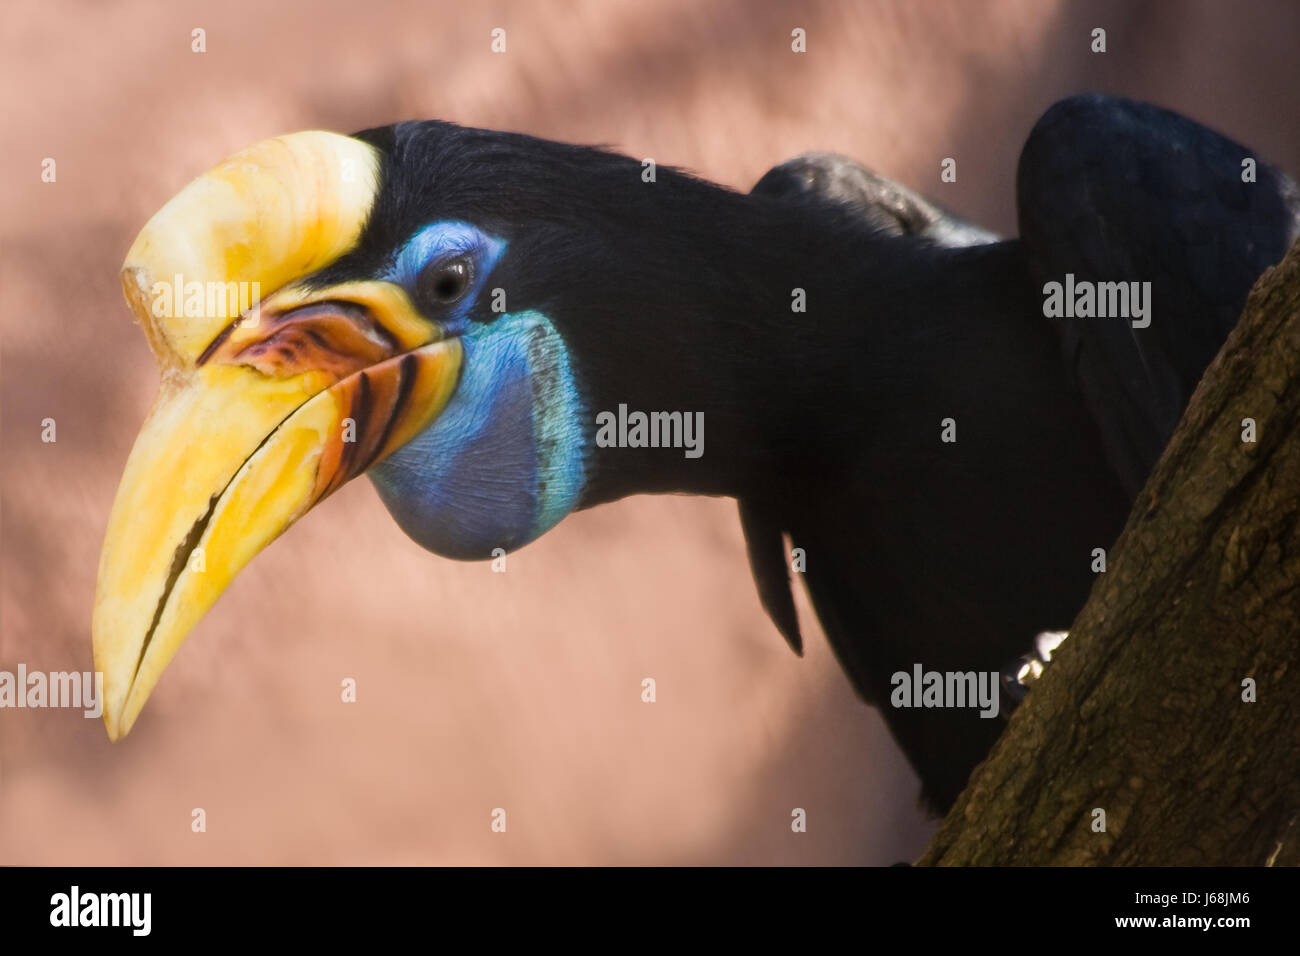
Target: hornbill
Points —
{"points": [[450, 310]]}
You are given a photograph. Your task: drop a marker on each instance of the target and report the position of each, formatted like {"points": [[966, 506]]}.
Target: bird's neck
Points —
{"points": [[775, 332]]}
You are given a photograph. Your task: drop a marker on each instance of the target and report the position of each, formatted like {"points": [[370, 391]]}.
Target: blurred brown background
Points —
{"points": [[480, 690]]}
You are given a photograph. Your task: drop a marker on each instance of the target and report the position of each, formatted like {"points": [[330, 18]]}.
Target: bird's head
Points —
{"points": [[422, 302]]}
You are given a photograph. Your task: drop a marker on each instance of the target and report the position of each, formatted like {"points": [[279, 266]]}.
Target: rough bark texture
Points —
{"points": [[1142, 713]]}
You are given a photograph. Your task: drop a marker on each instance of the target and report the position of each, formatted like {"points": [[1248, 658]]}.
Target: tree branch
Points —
{"points": [[1142, 713]]}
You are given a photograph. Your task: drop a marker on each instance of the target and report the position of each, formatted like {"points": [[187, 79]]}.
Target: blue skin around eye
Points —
{"points": [[503, 462], [445, 240]]}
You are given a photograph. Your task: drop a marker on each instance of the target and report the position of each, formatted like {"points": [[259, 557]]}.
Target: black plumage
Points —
{"points": [[1115, 190], [825, 424], [1110, 190]]}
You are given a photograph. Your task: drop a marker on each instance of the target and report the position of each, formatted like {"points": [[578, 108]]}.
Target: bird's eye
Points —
{"points": [[445, 282]]}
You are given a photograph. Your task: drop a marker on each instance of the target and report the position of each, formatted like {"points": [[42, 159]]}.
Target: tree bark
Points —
{"points": [[1142, 713]]}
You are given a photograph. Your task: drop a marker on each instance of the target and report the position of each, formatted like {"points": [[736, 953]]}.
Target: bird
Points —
{"points": [[461, 314]]}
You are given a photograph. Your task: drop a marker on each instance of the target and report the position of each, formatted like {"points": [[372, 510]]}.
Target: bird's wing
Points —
{"points": [[1111, 190], [892, 210]]}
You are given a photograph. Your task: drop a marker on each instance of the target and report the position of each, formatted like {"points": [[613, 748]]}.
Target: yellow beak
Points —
{"points": [[265, 407]]}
